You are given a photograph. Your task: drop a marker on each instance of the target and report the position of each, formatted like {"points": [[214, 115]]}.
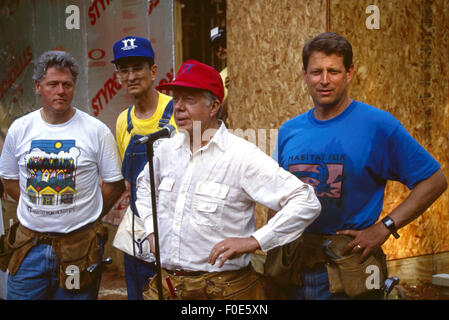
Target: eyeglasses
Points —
{"points": [[138, 71]]}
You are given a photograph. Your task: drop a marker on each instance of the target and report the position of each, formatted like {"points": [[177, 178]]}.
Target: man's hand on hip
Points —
{"points": [[366, 240], [231, 248]]}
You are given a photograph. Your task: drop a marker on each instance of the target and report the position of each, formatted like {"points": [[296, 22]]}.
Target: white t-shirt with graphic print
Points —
{"points": [[59, 169]]}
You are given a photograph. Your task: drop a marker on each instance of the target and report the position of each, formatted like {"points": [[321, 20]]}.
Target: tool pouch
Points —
{"points": [[75, 253], [185, 289], [14, 246], [150, 292], [246, 286], [283, 264], [5, 249], [347, 275]]}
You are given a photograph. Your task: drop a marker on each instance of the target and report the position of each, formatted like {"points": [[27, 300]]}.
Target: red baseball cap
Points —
{"points": [[194, 74]]}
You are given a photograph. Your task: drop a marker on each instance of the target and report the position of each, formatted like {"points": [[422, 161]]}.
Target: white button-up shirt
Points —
{"points": [[210, 195]]}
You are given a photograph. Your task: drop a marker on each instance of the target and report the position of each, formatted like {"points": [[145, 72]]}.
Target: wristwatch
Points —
{"points": [[389, 223]]}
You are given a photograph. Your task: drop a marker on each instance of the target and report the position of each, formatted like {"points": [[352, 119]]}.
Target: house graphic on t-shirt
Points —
{"points": [[51, 168]]}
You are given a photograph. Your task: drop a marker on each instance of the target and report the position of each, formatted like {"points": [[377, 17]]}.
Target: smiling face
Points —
{"points": [[56, 90], [327, 80]]}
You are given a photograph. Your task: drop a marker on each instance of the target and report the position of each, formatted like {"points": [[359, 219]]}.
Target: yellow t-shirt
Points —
{"points": [[224, 74], [140, 126]]}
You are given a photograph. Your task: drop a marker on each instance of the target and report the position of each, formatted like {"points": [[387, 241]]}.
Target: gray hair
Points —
{"points": [[210, 97], [59, 60]]}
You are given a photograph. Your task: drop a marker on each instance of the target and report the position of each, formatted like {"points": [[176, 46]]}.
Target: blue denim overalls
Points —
{"points": [[135, 156], [138, 272]]}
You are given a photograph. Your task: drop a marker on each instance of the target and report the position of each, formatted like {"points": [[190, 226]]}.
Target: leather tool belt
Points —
{"points": [[346, 273], [243, 284], [75, 251], [284, 264]]}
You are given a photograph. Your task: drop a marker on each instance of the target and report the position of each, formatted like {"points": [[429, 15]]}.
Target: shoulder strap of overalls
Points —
{"points": [[165, 119], [130, 123]]}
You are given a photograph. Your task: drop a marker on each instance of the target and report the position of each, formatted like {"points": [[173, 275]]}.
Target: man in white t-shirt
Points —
{"points": [[51, 163]]}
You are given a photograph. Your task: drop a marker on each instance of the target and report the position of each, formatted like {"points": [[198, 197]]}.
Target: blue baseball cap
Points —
{"points": [[132, 47]]}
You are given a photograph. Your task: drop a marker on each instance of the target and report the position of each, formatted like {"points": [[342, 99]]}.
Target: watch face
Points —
{"points": [[389, 223]]}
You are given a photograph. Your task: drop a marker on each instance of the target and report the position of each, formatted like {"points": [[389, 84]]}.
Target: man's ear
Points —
{"points": [[37, 87], [154, 69], [304, 74], [117, 76], [215, 108], [350, 73]]}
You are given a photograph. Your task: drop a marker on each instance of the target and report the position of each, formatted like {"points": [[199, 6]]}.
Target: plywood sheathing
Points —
{"points": [[265, 40]]}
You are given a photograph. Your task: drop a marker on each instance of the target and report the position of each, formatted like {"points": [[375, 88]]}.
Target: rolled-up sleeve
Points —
{"points": [[295, 202]]}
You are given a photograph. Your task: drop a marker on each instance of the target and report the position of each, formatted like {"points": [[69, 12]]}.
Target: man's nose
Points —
{"points": [[60, 89], [131, 75], [324, 77], [179, 104]]}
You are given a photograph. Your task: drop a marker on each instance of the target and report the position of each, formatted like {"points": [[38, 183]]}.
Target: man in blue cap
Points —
{"points": [[137, 71]]}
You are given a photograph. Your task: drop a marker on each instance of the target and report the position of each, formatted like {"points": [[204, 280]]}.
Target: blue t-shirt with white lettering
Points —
{"points": [[348, 160]]}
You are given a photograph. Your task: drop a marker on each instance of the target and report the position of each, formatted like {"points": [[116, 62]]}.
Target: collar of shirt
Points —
{"points": [[219, 139]]}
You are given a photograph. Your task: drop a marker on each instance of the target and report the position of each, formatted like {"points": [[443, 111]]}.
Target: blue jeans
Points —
{"points": [[37, 279], [137, 274], [315, 286]]}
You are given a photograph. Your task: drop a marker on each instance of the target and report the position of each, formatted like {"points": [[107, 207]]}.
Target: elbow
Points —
{"points": [[317, 207], [116, 189], [313, 196], [442, 182], [314, 201], [122, 186], [11, 188], [444, 185]]}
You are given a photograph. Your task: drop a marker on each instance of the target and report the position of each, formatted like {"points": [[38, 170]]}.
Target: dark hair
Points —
{"points": [[57, 59], [328, 43]]}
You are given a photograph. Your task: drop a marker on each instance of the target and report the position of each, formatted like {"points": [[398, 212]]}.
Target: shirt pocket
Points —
{"points": [[166, 196], [208, 204]]}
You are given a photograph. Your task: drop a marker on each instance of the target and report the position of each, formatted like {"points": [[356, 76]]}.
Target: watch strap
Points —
{"points": [[389, 223]]}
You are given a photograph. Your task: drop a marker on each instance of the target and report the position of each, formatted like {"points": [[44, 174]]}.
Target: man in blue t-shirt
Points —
{"points": [[348, 150]]}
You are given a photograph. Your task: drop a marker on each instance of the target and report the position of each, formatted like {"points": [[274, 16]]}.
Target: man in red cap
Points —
{"points": [[207, 191]]}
